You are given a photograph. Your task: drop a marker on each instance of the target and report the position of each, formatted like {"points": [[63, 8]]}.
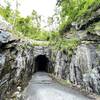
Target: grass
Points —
{"points": [[65, 44]]}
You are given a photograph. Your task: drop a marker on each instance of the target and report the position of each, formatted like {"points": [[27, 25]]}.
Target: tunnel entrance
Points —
{"points": [[41, 63]]}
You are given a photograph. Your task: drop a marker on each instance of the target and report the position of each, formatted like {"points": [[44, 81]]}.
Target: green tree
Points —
{"points": [[71, 10]]}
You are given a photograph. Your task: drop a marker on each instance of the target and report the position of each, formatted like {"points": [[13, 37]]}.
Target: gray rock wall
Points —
{"points": [[60, 65], [16, 64], [85, 67]]}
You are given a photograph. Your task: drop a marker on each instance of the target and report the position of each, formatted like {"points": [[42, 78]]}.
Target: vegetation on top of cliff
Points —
{"points": [[69, 10], [65, 44], [29, 26], [94, 28], [75, 11]]}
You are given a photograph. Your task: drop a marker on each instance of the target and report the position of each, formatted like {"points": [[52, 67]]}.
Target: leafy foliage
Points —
{"points": [[5, 12], [29, 26], [69, 44], [71, 10]]}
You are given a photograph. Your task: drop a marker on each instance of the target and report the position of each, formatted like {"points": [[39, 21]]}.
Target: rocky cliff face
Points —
{"points": [[85, 63], [16, 64], [61, 64], [83, 67]]}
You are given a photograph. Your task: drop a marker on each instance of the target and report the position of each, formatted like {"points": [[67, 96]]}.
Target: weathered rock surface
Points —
{"points": [[85, 67], [60, 65], [16, 64], [82, 69], [42, 50]]}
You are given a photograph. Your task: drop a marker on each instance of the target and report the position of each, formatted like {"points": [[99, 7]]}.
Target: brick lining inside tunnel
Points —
{"points": [[41, 63]]}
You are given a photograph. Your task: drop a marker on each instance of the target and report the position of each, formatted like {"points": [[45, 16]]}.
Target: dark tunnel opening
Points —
{"points": [[41, 63]]}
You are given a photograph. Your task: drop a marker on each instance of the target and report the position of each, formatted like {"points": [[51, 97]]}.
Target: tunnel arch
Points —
{"points": [[41, 63]]}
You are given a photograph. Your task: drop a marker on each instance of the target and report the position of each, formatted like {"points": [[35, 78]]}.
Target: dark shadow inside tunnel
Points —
{"points": [[41, 63]]}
